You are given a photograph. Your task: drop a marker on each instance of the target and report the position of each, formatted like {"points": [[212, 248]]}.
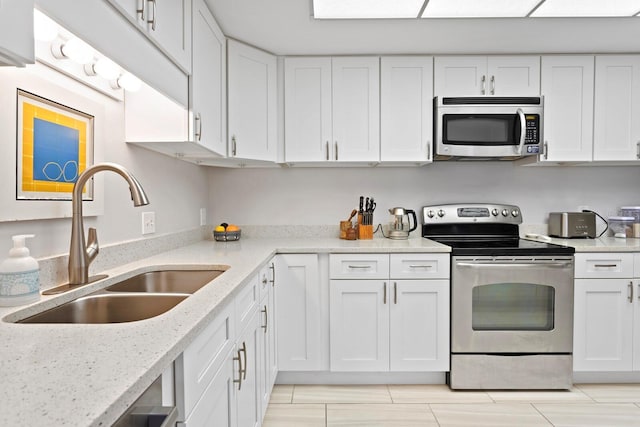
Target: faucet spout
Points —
{"points": [[82, 253]]}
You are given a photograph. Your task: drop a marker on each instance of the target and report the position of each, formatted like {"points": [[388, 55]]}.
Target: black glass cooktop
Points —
{"points": [[500, 246]]}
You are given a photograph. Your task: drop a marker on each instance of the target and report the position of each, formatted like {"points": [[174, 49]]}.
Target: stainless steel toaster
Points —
{"points": [[572, 224]]}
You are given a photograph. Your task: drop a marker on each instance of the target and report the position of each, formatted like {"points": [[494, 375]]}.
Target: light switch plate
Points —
{"points": [[203, 216], [148, 222]]}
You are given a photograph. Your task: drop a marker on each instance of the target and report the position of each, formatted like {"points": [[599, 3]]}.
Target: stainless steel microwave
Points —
{"points": [[492, 128]]}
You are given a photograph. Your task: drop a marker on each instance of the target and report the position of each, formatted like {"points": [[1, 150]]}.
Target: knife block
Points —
{"points": [[365, 232]]}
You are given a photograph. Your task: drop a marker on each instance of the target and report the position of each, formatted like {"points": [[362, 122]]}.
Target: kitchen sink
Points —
{"points": [[140, 297], [109, 308], [168, 281]]}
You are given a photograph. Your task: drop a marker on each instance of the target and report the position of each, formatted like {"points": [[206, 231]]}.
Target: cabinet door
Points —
{"points": [[406, 99], [513, 75], [301, 313], [603, 316], [356, 108], [567, 87], [249, 413], [267, 348], [359, 325], [307, 109], [208, 81], [217, 407], [419, 328], [252, 102], [616, 134], [460, 75], [16, 32]]}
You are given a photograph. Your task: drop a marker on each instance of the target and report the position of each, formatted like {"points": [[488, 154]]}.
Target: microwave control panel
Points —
{"points": [[533, 129]]}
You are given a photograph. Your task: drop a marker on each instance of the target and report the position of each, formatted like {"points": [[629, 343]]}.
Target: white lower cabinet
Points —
{"points": [[267, 336], [248, 409], [301, 304], [607, 312], [395, 321]]}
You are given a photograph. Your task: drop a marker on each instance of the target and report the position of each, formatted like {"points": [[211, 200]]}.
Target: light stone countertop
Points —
{"points": [[87, 375]]}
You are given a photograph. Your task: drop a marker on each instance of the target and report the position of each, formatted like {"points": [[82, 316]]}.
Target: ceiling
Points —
{"points": [[287, 27]]}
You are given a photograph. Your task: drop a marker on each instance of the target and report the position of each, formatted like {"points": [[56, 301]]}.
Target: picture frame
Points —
{"points": [[54, 144]]}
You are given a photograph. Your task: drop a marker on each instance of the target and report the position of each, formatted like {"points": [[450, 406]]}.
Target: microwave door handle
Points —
{"points": [[523, 130]]}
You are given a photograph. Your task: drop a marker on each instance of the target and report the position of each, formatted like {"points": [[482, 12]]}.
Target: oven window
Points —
{"points": [[513, 307], [479, 129]]}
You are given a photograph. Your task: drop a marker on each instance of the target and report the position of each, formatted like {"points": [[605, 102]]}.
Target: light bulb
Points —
{"points": [[78, 51], [106, 68], [129, 82], [44, 29]]}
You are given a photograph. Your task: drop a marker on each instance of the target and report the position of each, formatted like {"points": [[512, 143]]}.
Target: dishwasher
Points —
{"points": [[147, 410]]}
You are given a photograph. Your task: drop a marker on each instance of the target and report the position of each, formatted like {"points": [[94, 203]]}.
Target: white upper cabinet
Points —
{"points": [[332, 109], [252, 103], [307, 109], [567, 87], [356, 108], [617, 106], [167, 23], [406, 100], [16, 32], [482, 75], [208, 81]]}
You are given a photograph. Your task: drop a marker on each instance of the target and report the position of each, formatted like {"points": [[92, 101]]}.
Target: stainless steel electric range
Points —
{"points": [[511, 300]]}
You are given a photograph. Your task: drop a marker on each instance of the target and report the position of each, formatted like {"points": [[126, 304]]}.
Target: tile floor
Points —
{"points": [[609, 405]]}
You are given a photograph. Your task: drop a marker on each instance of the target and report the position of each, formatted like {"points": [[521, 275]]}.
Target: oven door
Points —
{"points": [[507, 305]]}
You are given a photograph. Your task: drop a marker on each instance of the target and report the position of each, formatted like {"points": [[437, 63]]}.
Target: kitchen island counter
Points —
{"points": [[88, 375]]}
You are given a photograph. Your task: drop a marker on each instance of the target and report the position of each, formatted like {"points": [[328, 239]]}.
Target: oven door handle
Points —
{"points": [[523, 130], [516, 265]]}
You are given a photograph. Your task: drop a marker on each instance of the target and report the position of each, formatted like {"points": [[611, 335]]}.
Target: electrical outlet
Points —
{"points": [[148, 222], [203, 216]]}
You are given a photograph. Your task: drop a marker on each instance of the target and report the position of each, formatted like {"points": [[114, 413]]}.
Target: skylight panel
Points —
{"points": [[596, 8], [366, 9]]}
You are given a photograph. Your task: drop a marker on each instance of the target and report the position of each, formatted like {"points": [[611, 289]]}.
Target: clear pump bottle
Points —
{"points": [[19, 275]]}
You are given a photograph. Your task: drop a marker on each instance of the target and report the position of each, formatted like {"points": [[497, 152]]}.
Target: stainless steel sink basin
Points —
{"points": [[168, 281], [109, 308]]}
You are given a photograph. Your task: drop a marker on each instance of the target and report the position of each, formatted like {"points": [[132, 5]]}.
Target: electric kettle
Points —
{"points": [[400, 225]]}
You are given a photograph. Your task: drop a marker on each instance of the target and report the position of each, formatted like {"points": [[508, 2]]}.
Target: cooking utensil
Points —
{"points": [[353, 213]]}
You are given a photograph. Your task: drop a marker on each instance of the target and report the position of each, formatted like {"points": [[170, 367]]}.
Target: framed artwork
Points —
{"points": [[54, 145]]}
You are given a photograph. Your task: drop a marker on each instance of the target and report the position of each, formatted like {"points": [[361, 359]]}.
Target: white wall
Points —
{"points": [[321, 196], [177, 190]]}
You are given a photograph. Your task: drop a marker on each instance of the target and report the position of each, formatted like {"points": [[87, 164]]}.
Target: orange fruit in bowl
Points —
{"points": [[232, 227]]}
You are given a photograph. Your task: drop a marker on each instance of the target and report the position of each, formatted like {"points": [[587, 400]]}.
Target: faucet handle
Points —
{"points": [[92, 244]]}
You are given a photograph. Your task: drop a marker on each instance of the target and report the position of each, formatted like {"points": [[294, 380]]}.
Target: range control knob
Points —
{"points": [[505, 212], [440, 213], [515, 213], [431, 214], [495, 212]]}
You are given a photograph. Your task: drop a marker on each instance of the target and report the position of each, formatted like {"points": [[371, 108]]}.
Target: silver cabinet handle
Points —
{"points": [[395, 292], [428, 150], [523, 130], [384, 294], [266, 318], [272, 267], [142, 10], [484, 83], [233, 145], [493, 85], [359, 266], [638, 150], [605, 265], [630, 292], [153, 20], [420, 266], [327, 149], [545, 150], [336, 153], [198, 126], [239, 380], [244, 369]]}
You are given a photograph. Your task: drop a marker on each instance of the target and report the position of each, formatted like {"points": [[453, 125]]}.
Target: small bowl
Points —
{"points": [[226, 236]]}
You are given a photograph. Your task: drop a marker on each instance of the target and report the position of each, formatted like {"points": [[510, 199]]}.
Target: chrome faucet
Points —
{"points": [[81, 254]]}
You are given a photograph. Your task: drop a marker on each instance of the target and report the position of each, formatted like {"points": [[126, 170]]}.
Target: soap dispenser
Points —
{"points": [[19, 275]]}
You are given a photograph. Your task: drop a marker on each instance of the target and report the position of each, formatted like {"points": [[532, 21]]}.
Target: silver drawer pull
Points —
{"points": [[605, 265], [630, 292], [359, 266], [420, 266]]}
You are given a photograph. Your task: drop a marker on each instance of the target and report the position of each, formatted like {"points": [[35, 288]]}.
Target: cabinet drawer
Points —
{"points": [[246, 302], [604, 265], [359, 266], [419, 266], [199, 362]]}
